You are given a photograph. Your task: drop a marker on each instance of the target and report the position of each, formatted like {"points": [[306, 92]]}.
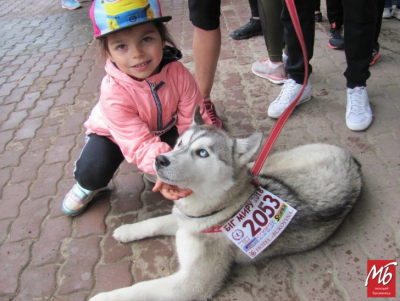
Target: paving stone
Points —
{"points": [[42, 108], [14, 120], [5, 137], [128, 193], [77, 272], [28, 128], [16, 193], [13, 259], [117, 251], [114, 276], [46, 183], [49, 248], [28, 223], [60, 150], [28, 102]]}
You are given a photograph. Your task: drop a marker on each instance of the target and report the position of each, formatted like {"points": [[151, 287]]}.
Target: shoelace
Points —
{"points": [[210, 110], [356, 101], [264, 61], [286, 92], [337, 34], [249, 24]]}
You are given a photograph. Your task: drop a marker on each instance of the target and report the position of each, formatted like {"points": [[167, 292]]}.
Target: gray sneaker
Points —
{"points": [[275, 75], [358, 111], [289, 92]]}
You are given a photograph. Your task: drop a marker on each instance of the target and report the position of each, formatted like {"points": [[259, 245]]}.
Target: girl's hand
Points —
{"points": [[170, 192]]}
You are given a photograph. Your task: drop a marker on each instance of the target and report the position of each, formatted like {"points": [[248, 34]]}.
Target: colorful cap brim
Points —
{"points": [[123, 14]]}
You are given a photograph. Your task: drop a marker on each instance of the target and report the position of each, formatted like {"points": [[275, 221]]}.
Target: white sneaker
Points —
{"points": [[358, 111], [289, 92], [396, 13], [387, 13]]}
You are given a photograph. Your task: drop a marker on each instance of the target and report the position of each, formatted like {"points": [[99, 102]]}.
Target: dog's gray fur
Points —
{"points": [[322, 182]]}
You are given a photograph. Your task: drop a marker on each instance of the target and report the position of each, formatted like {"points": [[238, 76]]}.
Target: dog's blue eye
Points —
{"points": [[202, 153]]}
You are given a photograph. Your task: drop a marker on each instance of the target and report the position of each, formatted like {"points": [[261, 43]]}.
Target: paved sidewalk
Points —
{"points": [[49, 81]]}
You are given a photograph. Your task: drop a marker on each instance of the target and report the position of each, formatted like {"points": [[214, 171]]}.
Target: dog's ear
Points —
{"points": [[247, 147], [197, 119]]}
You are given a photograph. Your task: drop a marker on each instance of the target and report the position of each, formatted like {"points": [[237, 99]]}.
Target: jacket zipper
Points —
{"points": [[154, 89]]}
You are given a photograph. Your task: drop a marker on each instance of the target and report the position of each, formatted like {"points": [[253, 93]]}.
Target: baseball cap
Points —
{"points": [[109, 16]]}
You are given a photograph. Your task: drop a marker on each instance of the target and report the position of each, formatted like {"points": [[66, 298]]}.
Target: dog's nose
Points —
{"points": [[162, 161]]}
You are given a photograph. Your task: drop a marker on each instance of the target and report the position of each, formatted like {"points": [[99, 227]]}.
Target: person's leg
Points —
{"points": [[318, 14], [387, 11], [251, 28], [359, 34], [272, 68], [94, 169], [204, 15], [359, 24], [206, 50], [380, 4], [295, 63], [334, 10]]}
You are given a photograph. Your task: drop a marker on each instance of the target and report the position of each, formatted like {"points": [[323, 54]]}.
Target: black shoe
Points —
{"points": [[318, 17], [336, 40], [251, 29]]}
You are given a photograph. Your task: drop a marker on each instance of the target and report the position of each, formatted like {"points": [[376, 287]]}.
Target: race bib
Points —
{"points": [[261, 220]]}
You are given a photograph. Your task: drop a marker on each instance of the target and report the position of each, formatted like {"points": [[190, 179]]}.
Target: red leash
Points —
{"points": [[285, 115]]}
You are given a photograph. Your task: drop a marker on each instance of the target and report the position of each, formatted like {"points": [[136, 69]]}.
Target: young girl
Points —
{"points": [[147, 99]]}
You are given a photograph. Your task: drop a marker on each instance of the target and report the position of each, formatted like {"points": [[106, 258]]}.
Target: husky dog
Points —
{"points": [[322, 182]]}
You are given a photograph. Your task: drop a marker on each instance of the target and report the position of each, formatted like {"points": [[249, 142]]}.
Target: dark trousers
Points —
{"points": [[362, 21], [295, 64], [254, 8], [270, 11], [100, 159]]}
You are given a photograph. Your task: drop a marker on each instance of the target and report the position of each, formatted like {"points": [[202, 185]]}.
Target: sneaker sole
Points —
{"points": [[374, 59], [71, 8], [272, 80], [272, 115], [70, 212], [335, 47], [359, 126], [247, 36]]}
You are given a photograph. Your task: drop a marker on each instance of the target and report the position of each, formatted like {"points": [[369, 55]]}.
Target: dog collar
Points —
{"points": [[215, 229], [205, 215]]}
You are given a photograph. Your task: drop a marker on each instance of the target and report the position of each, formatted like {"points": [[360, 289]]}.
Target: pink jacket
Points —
{"points": [[129, 111]]}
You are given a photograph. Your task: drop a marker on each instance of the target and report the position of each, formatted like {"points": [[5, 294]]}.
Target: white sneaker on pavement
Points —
{"points": [[358, 111], [387, 13], [396, 13], [289, 92]]}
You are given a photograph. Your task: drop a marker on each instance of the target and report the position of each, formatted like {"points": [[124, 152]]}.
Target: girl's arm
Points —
{"points": [[129, 131]]}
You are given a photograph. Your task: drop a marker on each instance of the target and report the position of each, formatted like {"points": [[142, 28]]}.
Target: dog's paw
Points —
{"points": [[125, 233]]}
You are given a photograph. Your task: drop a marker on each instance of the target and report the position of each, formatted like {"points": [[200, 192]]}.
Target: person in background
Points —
{"points": [[361, 47], [252, 28], [204, 15], [318, 13], [295, 65], [272, 68]]}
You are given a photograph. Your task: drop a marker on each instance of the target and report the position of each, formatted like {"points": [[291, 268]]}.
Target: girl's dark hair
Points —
{"points": [[161, 28]]}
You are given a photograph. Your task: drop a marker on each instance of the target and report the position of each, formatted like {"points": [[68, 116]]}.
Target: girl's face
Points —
{"points": [[137, 51]]}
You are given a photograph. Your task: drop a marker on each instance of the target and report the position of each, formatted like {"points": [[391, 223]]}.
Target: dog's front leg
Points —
{"points": [[204, 264], [163, 225]]}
